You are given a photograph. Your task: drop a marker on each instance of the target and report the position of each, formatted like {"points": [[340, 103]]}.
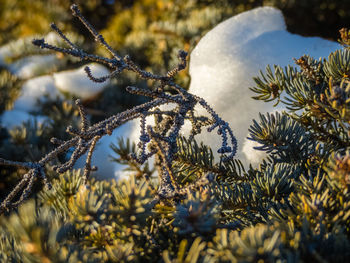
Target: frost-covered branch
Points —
{"points": [[158, 139]]}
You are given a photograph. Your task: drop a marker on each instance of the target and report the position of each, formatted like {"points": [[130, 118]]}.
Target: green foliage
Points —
{"points": [[9, 89], [23, 18], [29, 140], [294, 207], [124, 151], [284, 138]]}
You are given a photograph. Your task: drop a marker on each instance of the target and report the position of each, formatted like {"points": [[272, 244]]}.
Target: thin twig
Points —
{"points": [[161, 138]]}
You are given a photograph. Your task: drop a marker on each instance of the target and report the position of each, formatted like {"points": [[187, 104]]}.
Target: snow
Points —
{"points": [[5, 52], [226, 58], [13, 118], [34, 90], [103, 153], [254, 156], [76, 82], [35, 65], [53, 38], [15, 48]]}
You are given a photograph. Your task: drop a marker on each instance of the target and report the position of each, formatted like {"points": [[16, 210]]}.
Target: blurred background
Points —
{"points": [[150, 31]]}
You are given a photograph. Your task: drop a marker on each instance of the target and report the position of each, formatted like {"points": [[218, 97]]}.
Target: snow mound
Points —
{"points": [[235, 32], [34, 90], [77, 83], [227, 57], [35, 65]]}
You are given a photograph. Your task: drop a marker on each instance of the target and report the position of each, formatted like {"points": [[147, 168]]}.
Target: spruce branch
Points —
{"points": [[285, 139], [316, 95], [160, 138]]}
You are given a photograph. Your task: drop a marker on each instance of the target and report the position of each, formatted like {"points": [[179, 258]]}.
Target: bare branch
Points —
{"points": [[159, 139]]}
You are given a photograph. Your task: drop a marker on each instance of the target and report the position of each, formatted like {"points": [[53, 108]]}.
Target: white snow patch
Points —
{"points": [[103, 152], [34, 90], [77, 83], [53, 38], [35, 65], [12, 118], [15, 48], [254, 156], [226, 58]]}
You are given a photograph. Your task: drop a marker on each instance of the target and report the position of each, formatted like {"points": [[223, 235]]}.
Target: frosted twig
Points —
{"points": [[159, 139]]}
